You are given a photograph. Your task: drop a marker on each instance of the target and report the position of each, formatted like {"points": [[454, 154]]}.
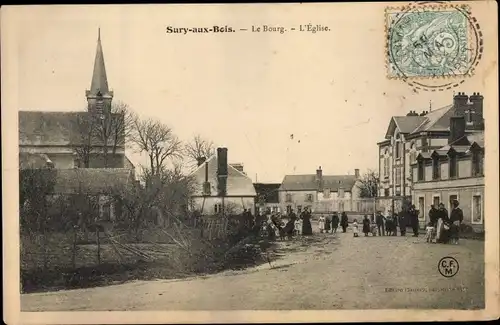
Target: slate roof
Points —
{"points": [[238, 184], [99, 78], [436, 120], [42, 128], [406, 124], [269, 191], [308, 182], [91, 180]]}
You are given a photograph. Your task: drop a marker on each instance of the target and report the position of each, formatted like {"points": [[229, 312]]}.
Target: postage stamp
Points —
{"points": [[431, 42]]}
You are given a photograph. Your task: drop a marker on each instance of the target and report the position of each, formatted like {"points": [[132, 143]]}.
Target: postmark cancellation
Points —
{"points": [[431, 41]]}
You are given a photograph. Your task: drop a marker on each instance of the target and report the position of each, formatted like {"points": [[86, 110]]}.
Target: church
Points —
{"points": [[86, 148]]}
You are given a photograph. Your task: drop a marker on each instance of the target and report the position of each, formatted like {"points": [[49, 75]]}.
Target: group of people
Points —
{"points": [[444, 228], [295, 224], [332, 224]]}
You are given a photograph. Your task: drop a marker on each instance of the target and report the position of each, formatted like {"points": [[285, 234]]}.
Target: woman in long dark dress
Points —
{"points": [[335, 222], [328, 224], [306, 223], [456, 218], [443, 225], [366, 225], [344, 222]]}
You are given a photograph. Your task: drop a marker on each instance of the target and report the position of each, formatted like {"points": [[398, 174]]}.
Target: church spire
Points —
{"points": [[99, 92]]}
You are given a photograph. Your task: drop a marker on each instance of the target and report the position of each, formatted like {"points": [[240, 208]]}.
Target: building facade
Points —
{"points": [[319, 193], [221, 187], [453, 172], [408, 136]]}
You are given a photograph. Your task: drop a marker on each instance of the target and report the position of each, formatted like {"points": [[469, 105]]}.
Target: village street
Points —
{"points": [[324, 272]]}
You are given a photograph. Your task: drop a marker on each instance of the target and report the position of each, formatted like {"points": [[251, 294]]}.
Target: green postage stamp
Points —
{"points": [[431, 42]]}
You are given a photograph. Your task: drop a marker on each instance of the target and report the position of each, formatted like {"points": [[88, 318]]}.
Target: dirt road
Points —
{"points": [[329, 272]]}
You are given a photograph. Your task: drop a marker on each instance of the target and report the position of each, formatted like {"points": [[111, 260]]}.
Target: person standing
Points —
{"points": [[366, 225], [413, 214], [402, 222], [306, 223], [380, 220], [335, 222], [321, 223], [456, 218], [344, 222], [355, 229], [433, 215], [328, 224], [442, 234]]}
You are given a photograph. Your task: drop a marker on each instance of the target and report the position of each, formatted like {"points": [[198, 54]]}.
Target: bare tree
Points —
{"points": [[368, 184], [111, 130], [197, 149], [157, 140], [83, 142]]}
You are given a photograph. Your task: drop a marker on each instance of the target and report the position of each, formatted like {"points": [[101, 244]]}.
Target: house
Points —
{"points": [[267, 199], [408, 136], [318, 192], [78, 138], [452, 172], [221, 187]]}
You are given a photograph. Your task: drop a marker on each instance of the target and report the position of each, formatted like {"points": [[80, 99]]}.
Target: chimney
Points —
{"points": [[222, 170], [356, 173], [319, 178], [460, 103], [457, 129], [200, 160], [206, 184], [476, 100]]}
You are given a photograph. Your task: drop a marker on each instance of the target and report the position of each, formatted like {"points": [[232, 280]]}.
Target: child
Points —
{"points": [[321, 223], [429, 236], [298, 226], [355, 228]]}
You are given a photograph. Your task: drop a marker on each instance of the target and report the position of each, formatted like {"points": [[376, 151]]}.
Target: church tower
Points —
{"points": [[99, 96]]}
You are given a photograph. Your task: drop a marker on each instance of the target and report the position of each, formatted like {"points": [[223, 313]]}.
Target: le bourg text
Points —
{"points": [[309, 28]]}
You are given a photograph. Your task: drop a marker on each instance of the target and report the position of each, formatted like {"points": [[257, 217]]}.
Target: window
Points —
{"points": [[453, 166], [477, 211], [386, 167], [436, 169], [413, 157], [341, 206], [435, 201], [451, 199], [421, 208], [309, 197], [106, 212], [341, 193], [398, 176], [398, 149], [288, 198], [477, 163], [326, 193], [218, 208], [386, 192]]}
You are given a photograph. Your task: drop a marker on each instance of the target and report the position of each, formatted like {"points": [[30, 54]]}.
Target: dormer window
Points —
{"points": [[477, 163], [453, 173], [436, 170], [420, 170]]}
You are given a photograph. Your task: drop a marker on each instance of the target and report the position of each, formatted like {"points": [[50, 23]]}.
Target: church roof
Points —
{"points": [[99, 78], [309, 183], [42, 128]]}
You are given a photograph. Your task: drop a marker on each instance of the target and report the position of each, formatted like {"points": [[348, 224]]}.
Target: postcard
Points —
{"points": [[228, 163]]}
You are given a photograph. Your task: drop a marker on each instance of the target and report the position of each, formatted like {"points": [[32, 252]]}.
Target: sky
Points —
{"points": [[247, 91]]}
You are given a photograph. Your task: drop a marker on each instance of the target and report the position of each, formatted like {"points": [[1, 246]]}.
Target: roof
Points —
{"points": [[406, 124], [269, 191], [436, 120], [424, 155], [238, 184], [477, 137], [308, 182], [99, 78], [42, 128], [91, 180]]}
